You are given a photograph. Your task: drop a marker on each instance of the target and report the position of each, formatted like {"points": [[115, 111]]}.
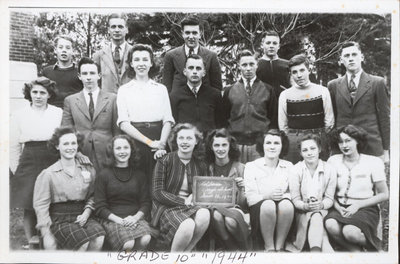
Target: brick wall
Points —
{"points": [[21, 35]]}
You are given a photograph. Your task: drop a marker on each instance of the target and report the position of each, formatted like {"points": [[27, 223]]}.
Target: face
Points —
{"points": [[141, 62], [186, 141], [68, 146], [248, 67], [351, 58], [271, 45], [122, 151], [89, 76], [309, 151], [39, 96], [300, 74], [64, 50], [272, 146], [220, 147], [194, 71], [117, 29], [191, 35], [347, 144]]}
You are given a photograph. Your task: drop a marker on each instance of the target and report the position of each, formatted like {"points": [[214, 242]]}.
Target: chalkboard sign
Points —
{"points": [[214, 191]]}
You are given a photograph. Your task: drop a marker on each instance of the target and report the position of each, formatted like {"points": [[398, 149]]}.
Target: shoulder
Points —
{"points": [[173, 51], [204, 50], [158, 86], [72, 96], [283, 61], [47, 69], [369, 159], [334, 82], [255, 163], [334, 159], [238, 165], [108, 95], [374, 78], [54, 109], [285, 164]]}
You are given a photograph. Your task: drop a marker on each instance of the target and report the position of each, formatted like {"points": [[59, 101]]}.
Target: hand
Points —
{"points": [[349, 211], [277, 195], [159, 153], [155, 144], [315, 206], [188, 200], [130, 221], [239, 182], [386, 156], [82, 159], [82, 219]]}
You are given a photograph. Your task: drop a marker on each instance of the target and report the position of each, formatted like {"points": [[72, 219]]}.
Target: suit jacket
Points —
{"points": [[110, 79], [97, 132], [174, 63], [370, 109]]}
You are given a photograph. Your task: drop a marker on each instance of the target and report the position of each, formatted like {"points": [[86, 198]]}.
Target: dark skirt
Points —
{"points": [[256, 236], [152, 130], [70, 235], [170, 220], [367, 219], [34, 158], [117, 235]]}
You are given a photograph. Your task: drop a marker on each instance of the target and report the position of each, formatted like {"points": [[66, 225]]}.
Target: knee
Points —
{"points": [[97, 243], [268, 207], [187, 226], [84, 247], [145, 240], [203, 216], [332, 226], [230, 223], [285, 207], [353, 234], [218, 217], [316, 219], [128, 245]]}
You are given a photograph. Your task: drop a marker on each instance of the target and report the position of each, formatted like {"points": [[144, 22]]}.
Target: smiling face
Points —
{"points": [[186, 141], [272, 146], [271, 46], [64, 51], [300, 74], [39, 96], [220, 148], [248, 67], [122, 152], [347, 145], [68, 146], [191, 35], [141, 62], [194, 71], [351, 58], [89, 76], [309, 151], [117, 30]]}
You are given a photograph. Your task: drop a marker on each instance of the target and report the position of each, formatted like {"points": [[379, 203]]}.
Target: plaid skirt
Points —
{"points": [[70, 235], [170, 220], [117, 235], [367, 219]]}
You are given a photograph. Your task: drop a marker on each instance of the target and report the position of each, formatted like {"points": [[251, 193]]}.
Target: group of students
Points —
{"points": [[121, 166]]}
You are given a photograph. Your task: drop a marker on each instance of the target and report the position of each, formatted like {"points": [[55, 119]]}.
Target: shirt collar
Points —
{"points": [[195, 50], [94, 92], [308, 85], [268, 59], [251, 81], [122, 46], [319, 169], [356, 78], [56, 66], [192, 87], [58, 166]]}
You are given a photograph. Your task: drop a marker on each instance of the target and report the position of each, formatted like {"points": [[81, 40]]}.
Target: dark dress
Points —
{"points": [[123, 192]]}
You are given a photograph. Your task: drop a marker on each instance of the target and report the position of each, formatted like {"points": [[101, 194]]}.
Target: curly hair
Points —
{"points": [[234, 152], [133, 159], [142, 47], [46, 83], [355, 132], [273, 132], [198, 151], [54, 141], [310, 136]]}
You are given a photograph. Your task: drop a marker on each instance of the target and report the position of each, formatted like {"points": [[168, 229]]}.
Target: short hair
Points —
{"points": [[195, 57], [134, 159], [190, 21], [116, 15], [142, 47], [86, 60], [271, 33], [245, 53], [198, 151], [356, 132], [66, 37], [54, 141], [273, 132], [298, 60], [350, 44], [46, 83], [234, 152], [310, 136]]}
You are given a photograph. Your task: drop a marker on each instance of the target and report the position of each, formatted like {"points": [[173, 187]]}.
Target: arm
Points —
{"points": [[328, 110], [250, 185], [332, 89], [115, 128], [330, 190], [295, 189], [383, 112], [282, 114], [15, 146], [67, 119], [215, 72], [100, 196], [168, 72], [41, 202]]}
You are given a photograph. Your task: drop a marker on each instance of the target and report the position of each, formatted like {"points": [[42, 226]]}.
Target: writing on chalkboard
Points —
{"points": [[219, 191]]}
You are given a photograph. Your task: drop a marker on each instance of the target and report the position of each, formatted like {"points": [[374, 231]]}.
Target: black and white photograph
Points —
{"points": [[212, 132]]}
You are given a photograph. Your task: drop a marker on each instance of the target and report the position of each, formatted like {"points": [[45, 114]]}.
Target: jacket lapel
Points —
{"points": [[82, 106], [125, 57], [363, 86], [343, 90], [109, 61], [102, 101]]}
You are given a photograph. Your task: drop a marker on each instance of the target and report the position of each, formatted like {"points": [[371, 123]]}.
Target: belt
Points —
{"points": [[147, 124]]}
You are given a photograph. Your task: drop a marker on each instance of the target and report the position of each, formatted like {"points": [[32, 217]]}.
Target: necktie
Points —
{"points": [[352, 88], [191, 51], [91, 106], [194, 91], [248, 87], [117, 56]]}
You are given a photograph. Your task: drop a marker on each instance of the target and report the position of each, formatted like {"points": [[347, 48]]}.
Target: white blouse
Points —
{"points": [[27, 125], [138, 102]]}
